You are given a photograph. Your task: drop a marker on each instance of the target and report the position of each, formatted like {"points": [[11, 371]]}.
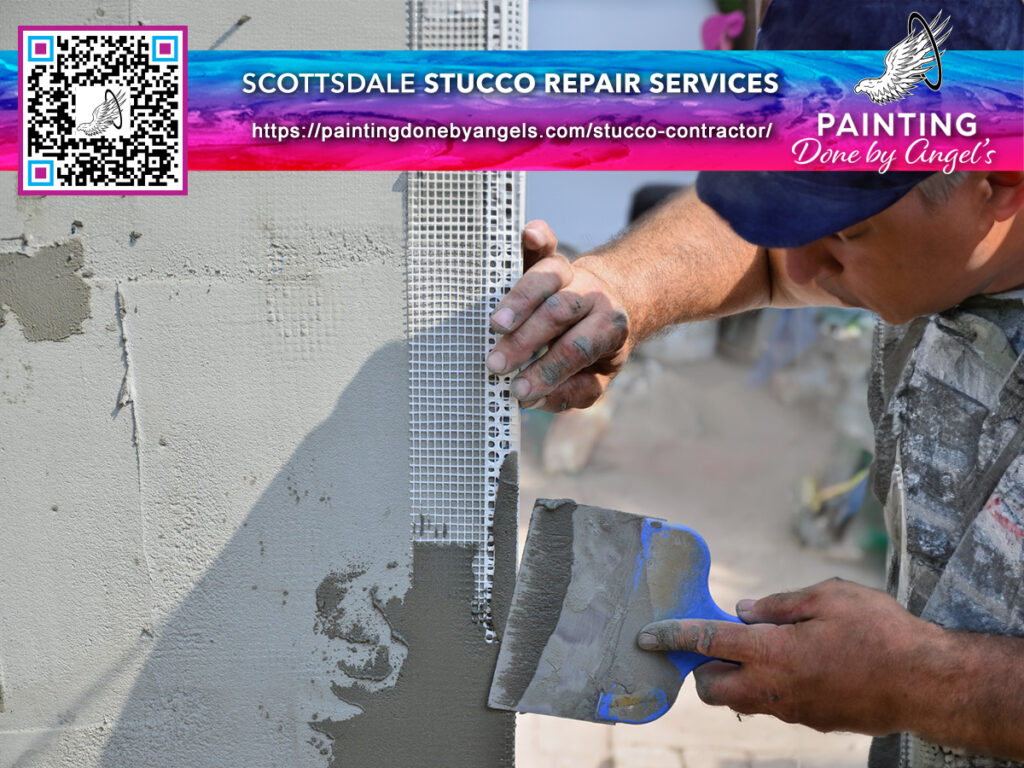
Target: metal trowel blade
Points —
{"points": [[590, 579]]}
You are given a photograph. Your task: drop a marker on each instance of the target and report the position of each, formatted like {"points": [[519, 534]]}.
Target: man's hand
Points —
{"points": [[679, 263], [569, 310], [835, 656]]}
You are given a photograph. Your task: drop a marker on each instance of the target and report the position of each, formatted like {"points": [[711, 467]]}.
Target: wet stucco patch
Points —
{"points": [[44, 291], [506, 531], [449, 664]]}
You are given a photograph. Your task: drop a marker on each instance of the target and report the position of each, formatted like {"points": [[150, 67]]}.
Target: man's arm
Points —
{"points": [[840, 656], [682, 262]]}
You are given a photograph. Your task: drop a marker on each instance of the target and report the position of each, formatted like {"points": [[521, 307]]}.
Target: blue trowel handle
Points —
{"points": [[671, 573], [678, 557]]}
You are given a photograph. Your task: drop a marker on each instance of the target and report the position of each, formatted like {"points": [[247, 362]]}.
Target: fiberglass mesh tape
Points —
{"points": [[463, 256]]}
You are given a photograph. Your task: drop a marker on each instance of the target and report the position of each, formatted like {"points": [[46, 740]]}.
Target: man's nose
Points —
{"points": [[810, 262]]}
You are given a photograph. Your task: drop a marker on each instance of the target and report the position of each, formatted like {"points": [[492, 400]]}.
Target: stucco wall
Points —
{"points": [[204, 451]]}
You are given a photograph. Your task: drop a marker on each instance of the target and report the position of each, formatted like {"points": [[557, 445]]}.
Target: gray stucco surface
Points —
{"points": [[180, 477], [204, 454]]}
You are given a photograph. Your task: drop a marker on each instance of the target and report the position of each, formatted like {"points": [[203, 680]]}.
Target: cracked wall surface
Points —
{"points": [[204, 445]]}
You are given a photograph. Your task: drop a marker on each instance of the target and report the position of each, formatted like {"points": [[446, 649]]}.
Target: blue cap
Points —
{"points": [[785, 209]]}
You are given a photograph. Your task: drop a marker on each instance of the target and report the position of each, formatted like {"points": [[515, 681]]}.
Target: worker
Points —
{"points": [[934, 668]]}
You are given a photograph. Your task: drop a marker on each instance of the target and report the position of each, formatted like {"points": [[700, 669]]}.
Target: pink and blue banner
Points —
{"points": [[584, 110]]}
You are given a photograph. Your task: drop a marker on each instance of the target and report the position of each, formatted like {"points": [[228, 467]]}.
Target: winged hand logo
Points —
{"points": [[108, 113], [909, 62]]}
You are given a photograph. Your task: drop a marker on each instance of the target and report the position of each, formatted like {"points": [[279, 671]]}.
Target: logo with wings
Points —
{"points": [[910, 61], [108, 113]]}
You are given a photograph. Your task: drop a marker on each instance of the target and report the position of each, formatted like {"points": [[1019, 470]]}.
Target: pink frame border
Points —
{"points": [[184, 108]]}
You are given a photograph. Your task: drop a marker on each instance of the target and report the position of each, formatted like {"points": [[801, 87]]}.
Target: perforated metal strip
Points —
{"points": [[464, 254], [467, 24]]}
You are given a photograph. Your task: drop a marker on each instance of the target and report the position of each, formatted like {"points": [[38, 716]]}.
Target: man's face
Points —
{"points": [[911, 259]]}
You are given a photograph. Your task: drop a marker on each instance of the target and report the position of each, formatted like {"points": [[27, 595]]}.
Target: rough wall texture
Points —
{"points": [[204, 447]]}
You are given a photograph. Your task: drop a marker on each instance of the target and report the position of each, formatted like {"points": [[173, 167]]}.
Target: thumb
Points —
{"points": [[539, 242]]}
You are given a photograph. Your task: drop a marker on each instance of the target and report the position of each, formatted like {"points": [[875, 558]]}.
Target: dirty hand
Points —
{"points": [[835, 656], [571, 311]]}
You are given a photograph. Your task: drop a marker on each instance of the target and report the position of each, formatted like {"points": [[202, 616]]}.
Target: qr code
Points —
{"points": [[102, 110]]}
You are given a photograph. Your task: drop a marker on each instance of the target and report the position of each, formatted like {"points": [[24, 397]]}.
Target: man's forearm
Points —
{"points": [[970, 694], [681, 262]]}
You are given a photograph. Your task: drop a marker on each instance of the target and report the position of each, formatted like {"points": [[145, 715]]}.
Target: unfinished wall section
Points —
{"points": [[464, 255], [206, 557]]}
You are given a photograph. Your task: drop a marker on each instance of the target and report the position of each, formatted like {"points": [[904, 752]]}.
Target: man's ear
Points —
{"points": [[1007, 193]]}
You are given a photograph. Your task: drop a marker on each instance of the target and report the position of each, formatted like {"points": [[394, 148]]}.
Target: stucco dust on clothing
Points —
{"points": [[947, 400]]}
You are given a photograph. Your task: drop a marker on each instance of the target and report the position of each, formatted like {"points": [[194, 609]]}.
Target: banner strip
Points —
{"points": [[584, 110]]}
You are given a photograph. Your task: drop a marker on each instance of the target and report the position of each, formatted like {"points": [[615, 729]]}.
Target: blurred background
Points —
{"points": [[753, 430]]}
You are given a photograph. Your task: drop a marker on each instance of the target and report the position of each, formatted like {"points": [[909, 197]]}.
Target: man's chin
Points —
{"points": [[847, 302]]}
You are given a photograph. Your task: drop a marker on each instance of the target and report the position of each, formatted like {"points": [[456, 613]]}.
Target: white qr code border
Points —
{"points": [[121, 165]]}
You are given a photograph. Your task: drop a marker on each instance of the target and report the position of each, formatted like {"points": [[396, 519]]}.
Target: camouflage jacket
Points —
{"points": [[947, 400]]}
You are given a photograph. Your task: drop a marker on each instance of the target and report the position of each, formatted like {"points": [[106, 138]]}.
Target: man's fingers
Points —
{"points": [[536, 284], [780, 608], [546, 278], [538, 242], [581, 390], [723, 639], [584, 344], [720, 683], [555, 314]]}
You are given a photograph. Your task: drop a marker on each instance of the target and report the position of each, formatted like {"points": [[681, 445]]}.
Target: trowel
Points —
{"points": [[590, 579]]}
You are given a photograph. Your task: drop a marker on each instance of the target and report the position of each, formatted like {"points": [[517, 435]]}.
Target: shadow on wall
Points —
{"points": [[260, 647], [302, 644]]}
